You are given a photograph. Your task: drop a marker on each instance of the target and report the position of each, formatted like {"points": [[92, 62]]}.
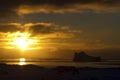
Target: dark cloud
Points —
{"points": [[61, 6], [14, 7], [41, 28], [9, 28], [7, 7], [60, 3], [50, 28]]}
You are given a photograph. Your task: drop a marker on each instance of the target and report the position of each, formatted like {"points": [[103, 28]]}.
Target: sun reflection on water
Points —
{"points": [[22, 61]]}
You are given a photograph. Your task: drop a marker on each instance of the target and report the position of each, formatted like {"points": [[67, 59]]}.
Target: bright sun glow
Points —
{"points": [[22, 40], [22, 61]]}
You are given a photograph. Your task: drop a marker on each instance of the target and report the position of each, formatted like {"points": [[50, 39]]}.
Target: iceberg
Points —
{"points": [[83, 57]]}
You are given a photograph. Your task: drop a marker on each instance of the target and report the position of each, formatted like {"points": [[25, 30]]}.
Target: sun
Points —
{"points": [[22, 40], [21, 43]]}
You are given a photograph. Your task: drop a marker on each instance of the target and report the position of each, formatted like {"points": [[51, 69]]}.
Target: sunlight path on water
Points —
{"points": [[22, 61]]}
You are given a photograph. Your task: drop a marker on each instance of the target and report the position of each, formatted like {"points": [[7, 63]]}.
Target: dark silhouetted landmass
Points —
{"points": [[32, 72], [83, 57]]}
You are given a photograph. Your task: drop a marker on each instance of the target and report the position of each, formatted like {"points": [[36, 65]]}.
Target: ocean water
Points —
{"points": [[60, 62]]}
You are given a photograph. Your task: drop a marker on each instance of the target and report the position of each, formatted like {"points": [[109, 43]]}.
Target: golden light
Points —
{"points": [[22, 61], [22, 40]]}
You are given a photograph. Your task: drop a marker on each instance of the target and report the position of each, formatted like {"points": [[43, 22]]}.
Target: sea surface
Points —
{"points": [[60, 62]]}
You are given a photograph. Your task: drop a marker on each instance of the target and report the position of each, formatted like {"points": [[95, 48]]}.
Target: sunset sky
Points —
{"points": [[57, 28]]}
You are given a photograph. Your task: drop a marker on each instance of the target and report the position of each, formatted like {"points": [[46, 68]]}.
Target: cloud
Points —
{"points": [[41, 28], [61, 6], [46, 30], [51, 29], [10, 27], [15, 7]]}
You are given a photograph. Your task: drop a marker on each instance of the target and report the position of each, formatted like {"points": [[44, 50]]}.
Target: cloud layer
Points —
{"points": [[15, 7], [51, 37], [44, 33], [40, 29]]}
